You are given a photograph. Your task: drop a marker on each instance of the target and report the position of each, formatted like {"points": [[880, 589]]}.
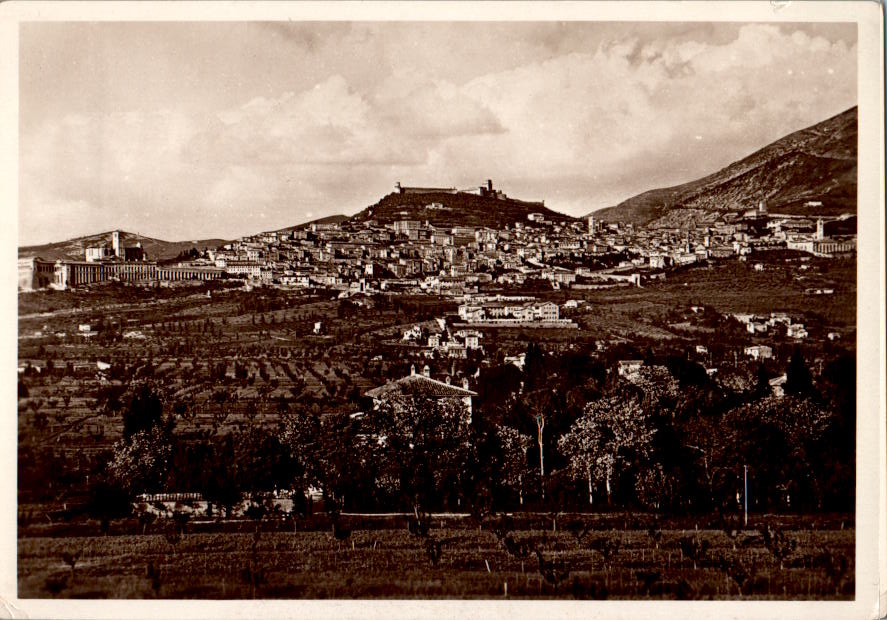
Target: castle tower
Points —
{"points": [[591, 225], [762, 207], [820, 229], [115, 243]]}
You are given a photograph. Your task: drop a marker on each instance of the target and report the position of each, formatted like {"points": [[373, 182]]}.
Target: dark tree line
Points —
{"points": [[565, 431]]}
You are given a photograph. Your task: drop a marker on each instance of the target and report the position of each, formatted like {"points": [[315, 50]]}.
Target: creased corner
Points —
{"points": [[10, 610]]}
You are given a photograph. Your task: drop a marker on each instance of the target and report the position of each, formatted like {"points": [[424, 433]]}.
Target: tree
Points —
{"points": [[837, 450], [497, 385], [711, 462], [421, 446], [611, 433], [797, 376], [658, 388], [261, 459], [222, 482], [144, 411], [513, 467], [109, 499], [141, 461], [762, 385], [301, 438], [780, 439], [338, 468], [535, 369], [539, 406]]}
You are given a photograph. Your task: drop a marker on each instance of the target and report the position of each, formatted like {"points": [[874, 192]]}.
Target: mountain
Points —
{"points": [[74, 249], [816, 164], [448, 207]]}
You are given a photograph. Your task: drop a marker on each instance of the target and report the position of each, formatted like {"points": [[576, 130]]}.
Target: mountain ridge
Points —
{"points": [[74, 249], [814, 164]]}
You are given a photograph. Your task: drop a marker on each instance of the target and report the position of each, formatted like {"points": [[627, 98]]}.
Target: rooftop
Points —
{"points": [[420, 385]]}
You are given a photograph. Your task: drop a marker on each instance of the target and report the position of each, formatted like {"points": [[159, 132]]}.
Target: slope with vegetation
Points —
{"points": [[455, 210], [75, 249], [816, 164]]}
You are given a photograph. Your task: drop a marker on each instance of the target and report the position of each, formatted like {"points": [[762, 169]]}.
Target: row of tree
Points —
{"points": [[562, 432]]}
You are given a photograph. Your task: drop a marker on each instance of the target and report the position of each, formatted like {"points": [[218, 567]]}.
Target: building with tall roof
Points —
{"points": [[422, 385]]}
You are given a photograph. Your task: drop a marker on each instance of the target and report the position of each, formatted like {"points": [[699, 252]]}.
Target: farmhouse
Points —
{"points": [[423, 385], [759, 352]]}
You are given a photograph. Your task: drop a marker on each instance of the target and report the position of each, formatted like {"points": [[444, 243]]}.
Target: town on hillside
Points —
{"points": [[290, 373], [411, 255]]}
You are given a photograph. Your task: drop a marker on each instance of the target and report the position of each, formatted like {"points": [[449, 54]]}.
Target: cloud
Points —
{"points": [[580, 115], [333, 124], [629, 104]]}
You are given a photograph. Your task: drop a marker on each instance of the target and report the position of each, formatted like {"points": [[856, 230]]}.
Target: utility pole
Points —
{"points": [[745, 491]]}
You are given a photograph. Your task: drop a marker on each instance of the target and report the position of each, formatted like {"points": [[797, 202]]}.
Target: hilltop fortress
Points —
{"points": [[485, 191]]}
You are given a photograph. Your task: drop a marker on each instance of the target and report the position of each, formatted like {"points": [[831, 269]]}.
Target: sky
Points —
{"points": [[186, 130]]}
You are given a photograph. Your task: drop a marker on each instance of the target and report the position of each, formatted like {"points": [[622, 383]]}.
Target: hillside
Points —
{"points": [[459, 209], [329, 219], [74, 249], [816, 164]]}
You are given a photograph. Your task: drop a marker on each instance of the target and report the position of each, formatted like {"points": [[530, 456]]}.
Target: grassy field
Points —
{"points": [[731, 286], [473, 563]]}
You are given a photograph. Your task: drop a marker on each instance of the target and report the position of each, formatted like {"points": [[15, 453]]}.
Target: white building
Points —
{"points": [[629, 368], [759, 352]]}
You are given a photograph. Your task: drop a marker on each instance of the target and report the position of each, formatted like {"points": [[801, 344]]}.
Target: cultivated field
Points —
{"points": [[232, 362], [283, 561]]}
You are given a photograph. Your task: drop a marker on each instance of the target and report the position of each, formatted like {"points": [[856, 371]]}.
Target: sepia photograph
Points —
{"points": [[423, 304]]}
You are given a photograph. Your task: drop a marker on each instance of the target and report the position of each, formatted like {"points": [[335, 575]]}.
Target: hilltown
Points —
{"points": [[416, 257], [458, 262]]}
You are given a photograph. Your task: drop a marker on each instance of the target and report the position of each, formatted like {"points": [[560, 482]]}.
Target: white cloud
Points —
{"points": [[548, 118]]}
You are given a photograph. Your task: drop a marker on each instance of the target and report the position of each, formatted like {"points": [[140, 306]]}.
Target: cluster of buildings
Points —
{"points": [[742, 234], [479, 312], [106, 264], [417, 256], [761, 325], [817, 244], [446, 342], [502, 310]]}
